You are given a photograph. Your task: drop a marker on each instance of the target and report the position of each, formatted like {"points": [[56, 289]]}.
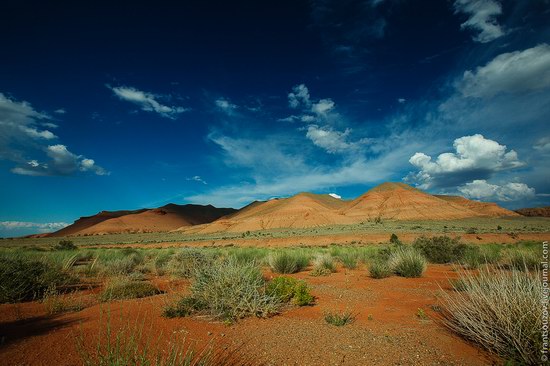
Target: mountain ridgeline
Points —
{"points": [[388, 201]]}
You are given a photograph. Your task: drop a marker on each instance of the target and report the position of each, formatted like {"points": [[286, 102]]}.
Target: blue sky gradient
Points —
{"points": [[107, 107]]}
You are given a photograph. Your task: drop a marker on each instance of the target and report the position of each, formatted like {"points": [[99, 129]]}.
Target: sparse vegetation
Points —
{"points": [[339, 319], [128, 346], [499, 310], [22, 279], [407, 262]]}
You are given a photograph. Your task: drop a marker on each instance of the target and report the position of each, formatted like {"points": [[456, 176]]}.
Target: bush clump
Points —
{"points": [[499, 310], [380, 269], [323, 265], [407, 262], [128, 289], [441, 249], [65, 245], [124, 265], [23, 279], [185, 306], [229, 290], [186, 261], [286, 262], [339, 319], [288, 289]]}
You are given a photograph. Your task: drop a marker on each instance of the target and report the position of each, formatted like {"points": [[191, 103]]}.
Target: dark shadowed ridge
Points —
{"points": [[535, 211]]}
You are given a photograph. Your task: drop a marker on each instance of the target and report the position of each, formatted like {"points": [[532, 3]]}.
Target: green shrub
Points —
{"points": [[407, 262], [185, 306], [24, 279], [229, 290], [286, 262], [380, 269], [522, 260], [339, 319], [186, 261], [125, 289], [395, 240], [349, 259], [287, 289], [323, 265], [441, 249], [499, 310], [65, 245]]}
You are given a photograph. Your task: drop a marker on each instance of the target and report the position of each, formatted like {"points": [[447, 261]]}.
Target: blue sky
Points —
{"points": [[106, 107]]}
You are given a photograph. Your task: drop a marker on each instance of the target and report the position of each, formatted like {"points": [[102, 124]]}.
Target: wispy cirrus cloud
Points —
{"points": [[147, 101], [482, 18]]}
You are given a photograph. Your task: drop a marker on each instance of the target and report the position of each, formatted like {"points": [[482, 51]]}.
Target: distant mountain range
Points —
{"points": [[388, 201]]}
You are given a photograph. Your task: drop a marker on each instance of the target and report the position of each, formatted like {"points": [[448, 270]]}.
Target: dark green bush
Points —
{"points": [[65, 245], [124, 289], [395, 240], [186, 306], [286, 262], [441, 249], [23, 279]]}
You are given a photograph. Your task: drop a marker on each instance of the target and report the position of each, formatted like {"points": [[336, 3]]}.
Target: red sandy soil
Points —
{"points": [[342, 239], [160, 219], [394, 201], [387, 329], [535, 211]]}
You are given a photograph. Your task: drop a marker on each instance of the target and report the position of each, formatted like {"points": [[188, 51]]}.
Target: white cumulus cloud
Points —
{"points": [[42, 227], [146, 101], [512, 72], [22, 134], [482, 190], [482, 18], [474, 157]]}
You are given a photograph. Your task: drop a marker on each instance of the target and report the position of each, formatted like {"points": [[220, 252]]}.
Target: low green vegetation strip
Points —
{"points": [[511, 226]]}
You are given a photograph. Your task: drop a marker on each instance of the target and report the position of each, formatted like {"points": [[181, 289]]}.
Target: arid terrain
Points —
{"points": [[124, 286]]}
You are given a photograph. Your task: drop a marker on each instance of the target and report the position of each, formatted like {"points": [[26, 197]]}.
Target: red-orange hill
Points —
{"points": [[160, 219], [390, 201]]}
